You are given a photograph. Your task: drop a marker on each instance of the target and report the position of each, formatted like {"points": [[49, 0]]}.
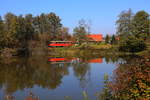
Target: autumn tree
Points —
{"points": [[64, 33], [130, 81], [11, 29]]}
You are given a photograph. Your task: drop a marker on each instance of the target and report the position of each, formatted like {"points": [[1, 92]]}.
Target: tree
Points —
{"points": [[132, 44], [11, 29], [26, 30], [44, 26], [80, 32], [16, 31], [124, 23], [36, 24], [1, 33], [29, 27], [113, 39], [85, 24], [48, 25], [107, 39], [55, 25], [64, 33], [41, 24], [141, 25], [130, 79], [133, 30]]}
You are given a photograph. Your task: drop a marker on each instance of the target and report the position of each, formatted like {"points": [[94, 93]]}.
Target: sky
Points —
{"points": [[102, 14]]}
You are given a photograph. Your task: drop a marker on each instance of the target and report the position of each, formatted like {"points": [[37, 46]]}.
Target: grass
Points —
{"points": [[92, 46]]}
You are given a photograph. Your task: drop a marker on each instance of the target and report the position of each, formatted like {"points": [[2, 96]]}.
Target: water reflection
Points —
{"points": [[54, 60], [9, 97], [30, 96], [20, 73], [48, 72]]}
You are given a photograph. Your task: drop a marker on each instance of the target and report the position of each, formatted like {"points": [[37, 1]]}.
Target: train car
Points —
{"points": [[60, 43]]}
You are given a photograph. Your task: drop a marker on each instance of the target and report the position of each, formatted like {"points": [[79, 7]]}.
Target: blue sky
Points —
{"points": [[101, 13]]}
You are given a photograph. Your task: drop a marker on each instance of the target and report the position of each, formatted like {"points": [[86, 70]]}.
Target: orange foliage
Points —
{"points": [[132, 80]]}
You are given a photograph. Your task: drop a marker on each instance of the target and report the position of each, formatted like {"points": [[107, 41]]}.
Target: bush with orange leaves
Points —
{"points": [[131, 80]]}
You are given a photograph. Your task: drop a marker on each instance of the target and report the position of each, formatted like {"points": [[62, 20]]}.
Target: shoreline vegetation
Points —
{"points": [[93, 49], [28, 35], [77, 49], [20, 34]]}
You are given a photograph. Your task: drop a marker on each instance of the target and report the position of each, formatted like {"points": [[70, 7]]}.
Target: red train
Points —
{"points": [[60, 44], [92, 38]]}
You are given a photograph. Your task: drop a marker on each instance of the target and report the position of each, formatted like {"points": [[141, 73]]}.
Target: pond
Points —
{"points": [[45, 77]]}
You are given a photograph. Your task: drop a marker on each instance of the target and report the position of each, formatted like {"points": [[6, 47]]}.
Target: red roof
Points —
{"points": [[117, 38], [95, 37]]}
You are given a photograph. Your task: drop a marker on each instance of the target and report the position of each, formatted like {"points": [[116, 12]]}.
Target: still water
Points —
{"points": [[52, 78]]}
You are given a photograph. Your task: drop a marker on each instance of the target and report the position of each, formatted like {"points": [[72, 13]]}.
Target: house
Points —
{"points": [[117, 38], [95, 37]]}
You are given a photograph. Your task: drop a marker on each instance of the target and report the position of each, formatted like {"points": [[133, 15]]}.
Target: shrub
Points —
{"points": [[132, 44]]}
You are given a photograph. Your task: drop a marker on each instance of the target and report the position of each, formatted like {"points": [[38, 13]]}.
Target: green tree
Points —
{"points": [[29, 27], [25, 30], [16, 31], [113, 39], [21, 28], [36, 24], [48, 25], [41, 24], [107, 39], [81, 32], [55, 25], [44, 26], [133, 30], [124, 23], [141, 25], [132, 44]]}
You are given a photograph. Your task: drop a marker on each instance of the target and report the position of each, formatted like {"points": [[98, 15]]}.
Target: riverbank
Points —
{"points": [[37, 67], [101, 49], [94, 49]]}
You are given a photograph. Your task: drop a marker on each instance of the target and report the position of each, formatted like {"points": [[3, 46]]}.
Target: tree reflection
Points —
{"points": [[82, 72], [26, 72], [20, 73]]}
